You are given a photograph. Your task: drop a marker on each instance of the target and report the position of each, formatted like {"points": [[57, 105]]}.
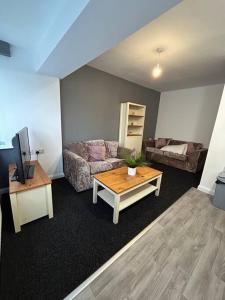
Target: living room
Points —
{"points": [[65, 102]]}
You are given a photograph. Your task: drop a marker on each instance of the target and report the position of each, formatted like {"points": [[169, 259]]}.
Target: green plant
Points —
{"points": [[134, 161]]}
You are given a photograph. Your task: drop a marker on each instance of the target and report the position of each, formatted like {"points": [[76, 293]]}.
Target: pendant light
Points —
{"points": [[157, 70]]}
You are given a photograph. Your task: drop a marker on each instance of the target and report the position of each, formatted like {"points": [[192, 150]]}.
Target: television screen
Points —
{"points": [[22, 156], [24, 149]]}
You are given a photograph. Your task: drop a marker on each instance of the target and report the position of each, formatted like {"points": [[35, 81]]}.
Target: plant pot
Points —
{"points": [[132, 171]]}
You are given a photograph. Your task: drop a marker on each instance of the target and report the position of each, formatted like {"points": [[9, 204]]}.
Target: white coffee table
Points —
{"points": [[121, 190]]}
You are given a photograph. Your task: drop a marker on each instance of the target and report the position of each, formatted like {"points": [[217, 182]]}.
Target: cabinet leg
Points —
{"points": [[15, 212], [158, 184], [116, 210], [49, 200]]}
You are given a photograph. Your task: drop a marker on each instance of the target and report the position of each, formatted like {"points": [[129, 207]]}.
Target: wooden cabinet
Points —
{"points": [[32, 200], [132, 118]]}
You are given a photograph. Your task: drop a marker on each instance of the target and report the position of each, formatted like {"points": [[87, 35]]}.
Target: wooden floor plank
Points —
{"points": [[181, 257]]}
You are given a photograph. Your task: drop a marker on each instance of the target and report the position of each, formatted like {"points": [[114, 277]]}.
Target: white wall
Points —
{"points": [[215, 161], [189, 114], [34, 101]]}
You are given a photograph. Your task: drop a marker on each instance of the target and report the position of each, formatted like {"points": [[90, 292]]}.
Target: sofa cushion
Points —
{"points": [[111, 148], [179, 149], [79, 149], [116, 162], [99, 166], [96, 153], [125, 152], [191, 148], [177, 156], [198, 146], [154, 150], [161, 142]]}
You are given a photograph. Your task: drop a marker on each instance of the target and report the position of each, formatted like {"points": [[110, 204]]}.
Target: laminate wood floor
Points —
{"points": [[182, 256]]}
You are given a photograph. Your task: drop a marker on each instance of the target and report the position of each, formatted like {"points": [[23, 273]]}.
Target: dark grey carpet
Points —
{"points": [[49, 258]]}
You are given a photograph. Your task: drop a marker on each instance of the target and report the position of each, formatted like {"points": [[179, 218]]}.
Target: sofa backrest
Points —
{"points": [[197, 146], [82, 148]]}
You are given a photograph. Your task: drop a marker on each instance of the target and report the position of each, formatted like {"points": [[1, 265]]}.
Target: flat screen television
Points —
{"points": [[22, 155]]}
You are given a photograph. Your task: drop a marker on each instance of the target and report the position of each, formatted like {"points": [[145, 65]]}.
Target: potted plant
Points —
{"points": [[134, 161]]}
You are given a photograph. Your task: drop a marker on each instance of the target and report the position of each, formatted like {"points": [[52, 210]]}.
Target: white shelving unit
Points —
{"points": [[132, 118]]}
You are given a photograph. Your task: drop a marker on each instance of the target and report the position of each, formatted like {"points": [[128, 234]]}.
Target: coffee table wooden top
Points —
{"points": [[119, 181]]}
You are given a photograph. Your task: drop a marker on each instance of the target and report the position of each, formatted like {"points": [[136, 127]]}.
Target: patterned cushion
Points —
{"points": [[95, 142], [198, 146], [99, 166], [190, 148], [111, 148], [96, 153], [179, 149], [116, 162], [124, 152], [79, 149], [161, 142]]}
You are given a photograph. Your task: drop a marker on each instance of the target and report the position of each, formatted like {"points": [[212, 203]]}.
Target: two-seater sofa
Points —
{"points": [[193, 161], [82, 160]]}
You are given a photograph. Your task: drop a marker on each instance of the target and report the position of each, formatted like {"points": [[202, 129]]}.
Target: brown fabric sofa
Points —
{"points": [[193, 161], [78, 168]]}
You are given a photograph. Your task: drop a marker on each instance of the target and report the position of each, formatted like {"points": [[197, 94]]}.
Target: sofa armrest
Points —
{"points": [[147, 143], [123, 152], [76, 170], [197, 159]]}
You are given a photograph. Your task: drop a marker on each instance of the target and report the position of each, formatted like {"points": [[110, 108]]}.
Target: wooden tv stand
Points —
{"points": [[32, 200]]}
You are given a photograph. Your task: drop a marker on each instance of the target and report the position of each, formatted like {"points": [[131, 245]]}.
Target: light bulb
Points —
{"points": [[157, 71]]}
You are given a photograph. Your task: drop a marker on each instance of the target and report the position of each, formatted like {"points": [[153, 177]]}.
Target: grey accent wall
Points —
{"points": [[90, 105]]}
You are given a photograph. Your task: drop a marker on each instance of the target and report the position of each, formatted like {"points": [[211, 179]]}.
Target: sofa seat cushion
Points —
{"points": [[177, 156], [154, 150], [116, 162], [99, 166]]}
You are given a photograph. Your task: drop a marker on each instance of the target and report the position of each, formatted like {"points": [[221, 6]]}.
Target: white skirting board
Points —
{"points": [[206, 190]]}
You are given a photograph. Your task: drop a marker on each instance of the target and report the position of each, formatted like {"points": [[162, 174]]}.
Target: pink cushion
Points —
{"points": [[96, 152]]}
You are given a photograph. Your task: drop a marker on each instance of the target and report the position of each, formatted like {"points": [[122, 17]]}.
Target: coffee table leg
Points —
{"points": [[116, 209], [95, 191], [158, 184]]}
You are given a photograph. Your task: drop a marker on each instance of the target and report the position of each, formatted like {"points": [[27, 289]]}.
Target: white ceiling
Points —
{"points": [[193, 34], [56, 37], [24, 22], [101, 25], [33, 28]]}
